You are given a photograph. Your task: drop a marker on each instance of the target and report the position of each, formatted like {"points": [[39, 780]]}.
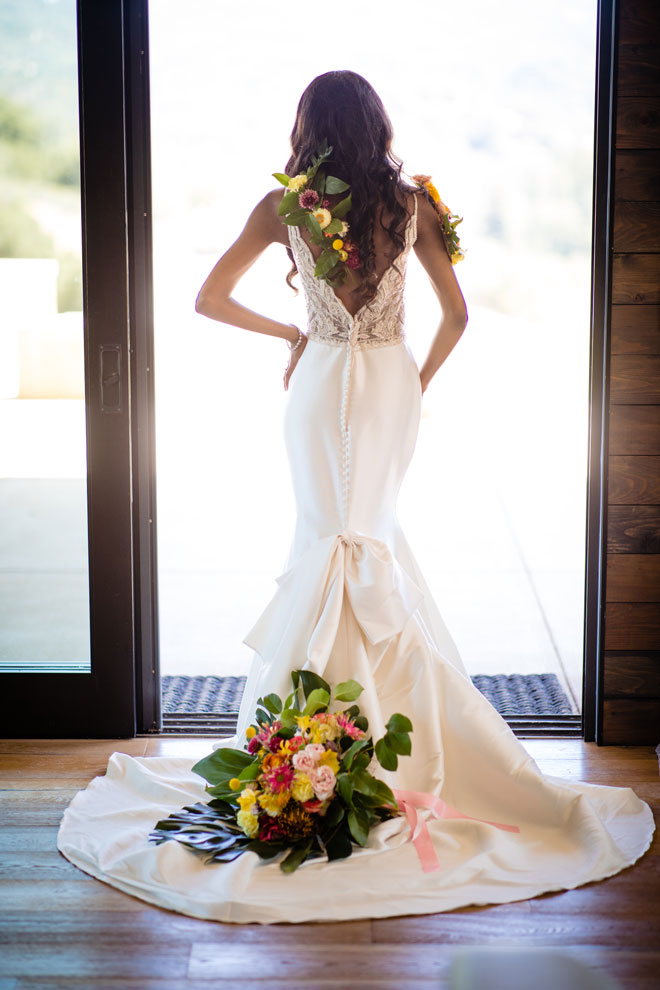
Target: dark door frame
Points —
{"points": [[601, 273]]}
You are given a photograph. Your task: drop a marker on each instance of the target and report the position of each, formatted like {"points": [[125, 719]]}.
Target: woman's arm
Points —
{"points": [[214, 300], [431, 251]]}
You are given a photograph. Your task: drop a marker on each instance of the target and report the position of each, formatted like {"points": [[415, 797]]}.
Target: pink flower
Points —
{"points": [[312, 805], [315, 751], [295, 742], [353, 261], [349, 727], [323, 781], [280, 779], [308, 199], [253, 745], [326, 203], [303, 762]]}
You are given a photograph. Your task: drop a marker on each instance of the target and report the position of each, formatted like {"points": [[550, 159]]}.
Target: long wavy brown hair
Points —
{"points": [[342, 107]]}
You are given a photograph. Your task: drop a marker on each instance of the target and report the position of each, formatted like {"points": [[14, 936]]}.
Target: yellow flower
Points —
{"points": [[248, 822], [297, 182], [273, 803], [235, 784], [323, 217], [247, 798], [301, 788], [433, 192], [457, 256], [285, 748], [344, 228], [343, 255], [303, 722], [329, 759], [338, 244], [250, 731]]}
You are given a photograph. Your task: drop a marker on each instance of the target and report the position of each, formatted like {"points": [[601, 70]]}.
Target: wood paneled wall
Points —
{"points": [[631, 687]]}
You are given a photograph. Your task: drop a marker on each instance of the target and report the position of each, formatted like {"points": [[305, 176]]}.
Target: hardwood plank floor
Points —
{"points": [[61, 929]]}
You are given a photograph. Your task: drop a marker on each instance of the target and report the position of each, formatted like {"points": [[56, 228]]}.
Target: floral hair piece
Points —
{"points": [[305, 203], [446, 217]]}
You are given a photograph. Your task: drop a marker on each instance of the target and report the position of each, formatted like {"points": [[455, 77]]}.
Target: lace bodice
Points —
{"points": [[375, 324]]}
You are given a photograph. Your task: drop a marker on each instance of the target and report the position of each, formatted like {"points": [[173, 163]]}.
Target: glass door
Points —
{"points": [[67, 637]]}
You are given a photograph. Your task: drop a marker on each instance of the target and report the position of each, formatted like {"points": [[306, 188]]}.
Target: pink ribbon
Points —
{"points": [[409, 801]]}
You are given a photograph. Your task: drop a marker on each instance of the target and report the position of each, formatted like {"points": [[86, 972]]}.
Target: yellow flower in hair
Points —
{"points": [[343, 255], [323, 217], [338, 244], [297, 182]]}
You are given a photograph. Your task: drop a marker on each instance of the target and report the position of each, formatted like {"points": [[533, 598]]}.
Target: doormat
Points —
{"points": [[509, 694]]}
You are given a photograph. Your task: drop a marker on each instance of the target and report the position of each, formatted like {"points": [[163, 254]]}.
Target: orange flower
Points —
{"points": [[272, 761]]}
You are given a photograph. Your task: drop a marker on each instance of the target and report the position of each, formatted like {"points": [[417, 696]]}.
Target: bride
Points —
{"points": [[352, 601]]}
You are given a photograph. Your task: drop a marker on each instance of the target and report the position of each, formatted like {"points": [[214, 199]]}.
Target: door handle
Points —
{"points": [[110, 374]]}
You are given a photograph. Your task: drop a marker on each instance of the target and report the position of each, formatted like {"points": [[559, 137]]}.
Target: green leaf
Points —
{"points": [[339, 846], [311, 681], [281, 177], [387, 759], [222, 762], [296, 218], [318, 698], [289, 202], [250, 772], [313, 225], [295, 679], [399, 742], [342, 208], [361, 761], [362, 722], [264, 849], [334, 814], [326, 262], [399, 723], [288, 717], [296, 856], [335, 185], [374, 788], [352, 751], [290, 699], [262, 717], [345, 787], [348, 691], [358, 823], [273, 703], [334, 227]]}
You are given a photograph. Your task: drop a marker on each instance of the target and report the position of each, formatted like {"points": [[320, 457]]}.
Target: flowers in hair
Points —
{"points": [[305, 203], [447, 220]]}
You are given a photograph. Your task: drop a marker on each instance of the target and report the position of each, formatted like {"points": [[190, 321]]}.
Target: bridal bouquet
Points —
{"points": [[305, 203], [301, 784]]}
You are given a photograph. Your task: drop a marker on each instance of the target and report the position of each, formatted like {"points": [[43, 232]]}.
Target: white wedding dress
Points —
{"points": [[352, 603]]}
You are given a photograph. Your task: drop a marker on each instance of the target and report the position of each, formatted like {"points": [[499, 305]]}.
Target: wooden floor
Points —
{"points": [[60, 928]]}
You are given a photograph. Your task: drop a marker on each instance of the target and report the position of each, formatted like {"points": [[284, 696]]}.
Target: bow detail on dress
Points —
{"points": [[300, 622], [409, 801]]}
